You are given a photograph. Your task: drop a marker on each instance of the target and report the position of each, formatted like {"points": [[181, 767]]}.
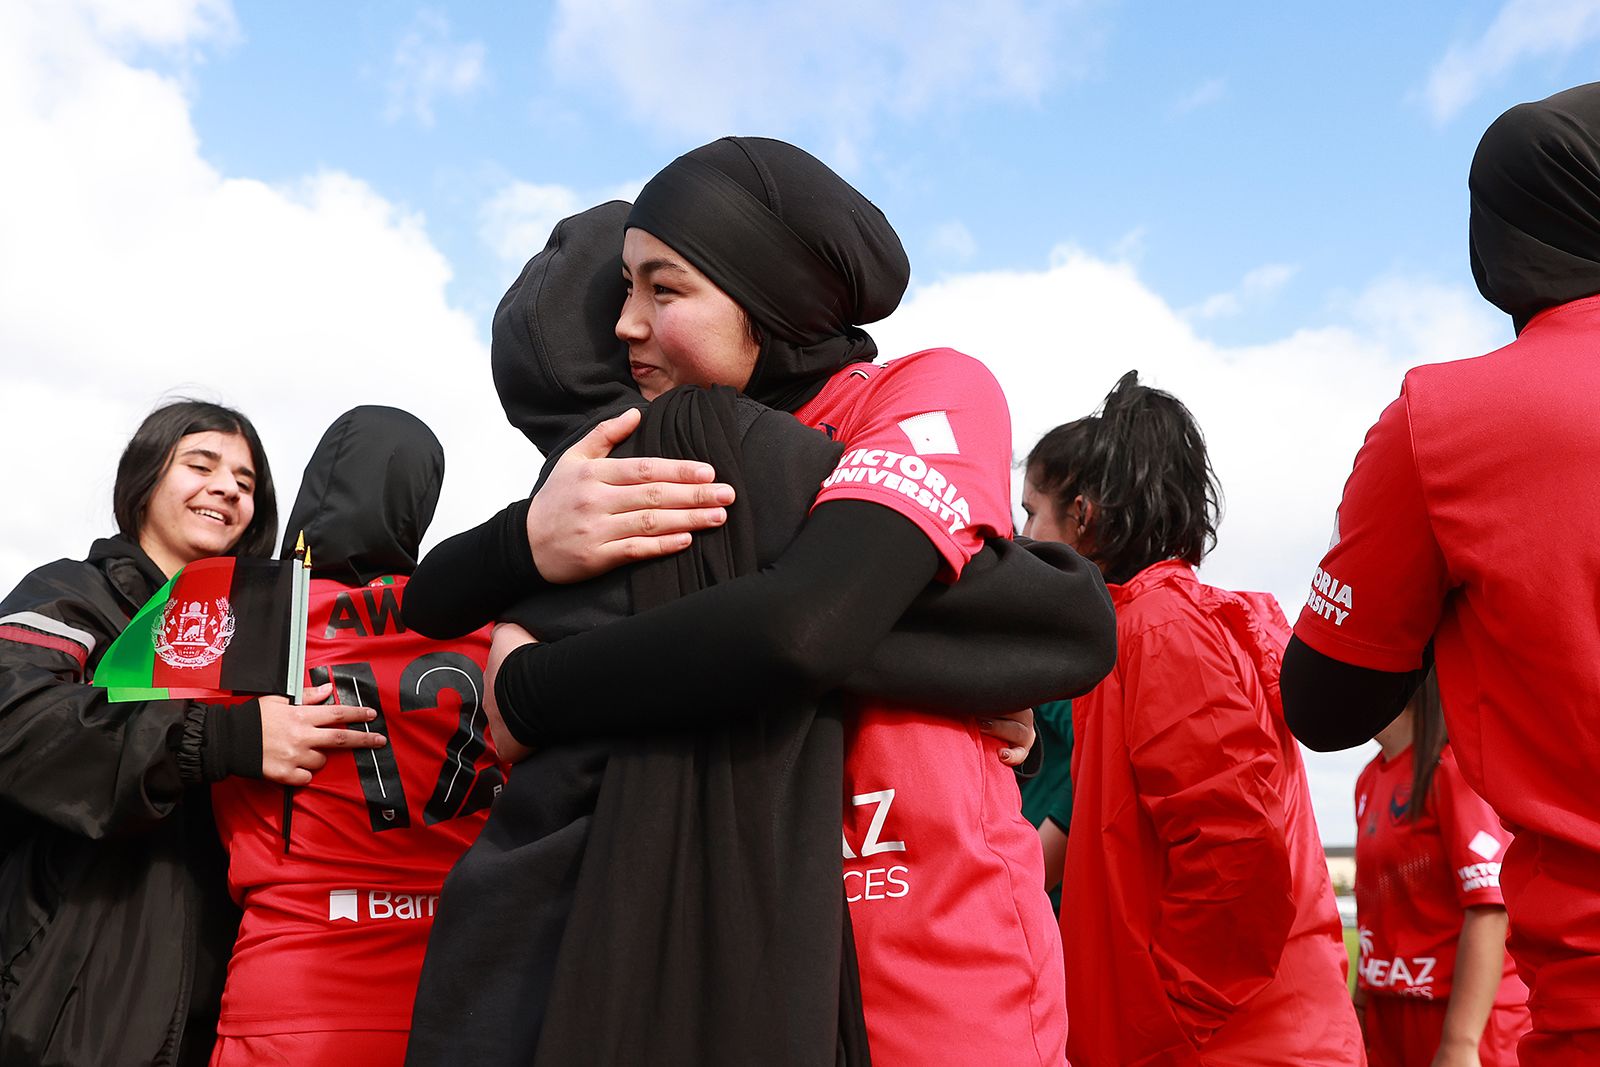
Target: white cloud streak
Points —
{"points": [[1522, 30], [1208, 92], [715, 67], [428, 65], [516, 221], [1256, 287]]}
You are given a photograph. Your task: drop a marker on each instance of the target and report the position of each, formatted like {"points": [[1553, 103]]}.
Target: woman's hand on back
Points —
{"points": [[293, 736], [595, 513], [506, 639]]}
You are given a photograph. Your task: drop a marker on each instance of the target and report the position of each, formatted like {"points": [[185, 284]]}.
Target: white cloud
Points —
{"points": [[131, 269], [427, 65], [1205, 94], [713, 67], [1522, 30], [516, 221], [953, 241], [1255, 287], [1283, 419]]}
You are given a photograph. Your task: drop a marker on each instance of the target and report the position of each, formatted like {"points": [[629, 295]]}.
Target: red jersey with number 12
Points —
{"points": [[334, 930], [959, 955]]}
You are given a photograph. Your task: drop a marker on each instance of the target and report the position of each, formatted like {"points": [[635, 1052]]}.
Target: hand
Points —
{"points": [[594, 513], [507, 638], [294, 735], [1015, 730]]}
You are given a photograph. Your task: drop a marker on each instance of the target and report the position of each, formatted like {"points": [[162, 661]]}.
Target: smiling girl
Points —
{"points": [[114, 918]]}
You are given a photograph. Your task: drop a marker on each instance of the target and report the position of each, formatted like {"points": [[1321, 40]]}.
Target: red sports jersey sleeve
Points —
{"points": [[1203, 764], [1375, 601], [1473, 838], [928, 435]]}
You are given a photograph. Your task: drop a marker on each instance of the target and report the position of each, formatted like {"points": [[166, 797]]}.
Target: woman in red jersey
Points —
{"points": [[1435, 986], [1197, 917], [750, 264]]}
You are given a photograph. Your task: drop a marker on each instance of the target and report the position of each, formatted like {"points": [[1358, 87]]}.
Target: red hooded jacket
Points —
{"points": [[1197, 917]]}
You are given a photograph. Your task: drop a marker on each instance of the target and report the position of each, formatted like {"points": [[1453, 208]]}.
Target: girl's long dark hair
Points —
{"points": [[1427, 741], [1141, 462], [149, 454]]}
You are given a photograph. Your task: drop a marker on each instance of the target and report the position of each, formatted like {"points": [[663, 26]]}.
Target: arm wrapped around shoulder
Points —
{"points": [[1028, 622]]}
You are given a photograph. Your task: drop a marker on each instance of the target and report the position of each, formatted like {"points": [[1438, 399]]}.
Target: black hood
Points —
{"points": [[1535, 184], [558, 365], [367, 495]]}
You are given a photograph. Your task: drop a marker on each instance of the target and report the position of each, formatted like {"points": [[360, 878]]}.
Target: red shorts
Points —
{"points": [[316, 1048], [1405, 1032]]}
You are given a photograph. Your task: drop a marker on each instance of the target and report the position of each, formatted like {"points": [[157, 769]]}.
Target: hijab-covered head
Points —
{"points": [[557, 363], [1535, 185], [367, 495], [807, 256]]}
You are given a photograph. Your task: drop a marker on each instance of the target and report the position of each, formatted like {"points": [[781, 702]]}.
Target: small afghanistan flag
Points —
{"points": [[220, 627]]}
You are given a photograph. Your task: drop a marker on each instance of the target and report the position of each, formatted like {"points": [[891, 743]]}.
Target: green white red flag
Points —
{"points": [[219, 628]]}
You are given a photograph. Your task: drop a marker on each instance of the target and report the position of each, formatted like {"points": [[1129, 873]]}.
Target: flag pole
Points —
{"points": [[299, 608]]}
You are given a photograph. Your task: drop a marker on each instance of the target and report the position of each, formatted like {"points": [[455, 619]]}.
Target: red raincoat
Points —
{"points": [[1197, 917]]}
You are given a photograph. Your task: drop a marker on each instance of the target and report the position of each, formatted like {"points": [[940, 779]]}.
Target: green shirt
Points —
{"points": [[1048, 794]]}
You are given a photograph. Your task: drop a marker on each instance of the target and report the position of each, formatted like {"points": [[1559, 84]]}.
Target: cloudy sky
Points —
{"points": [[295, 207]]}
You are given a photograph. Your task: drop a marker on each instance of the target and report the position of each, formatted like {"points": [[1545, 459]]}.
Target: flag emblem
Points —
{"points": [[194, 635]]}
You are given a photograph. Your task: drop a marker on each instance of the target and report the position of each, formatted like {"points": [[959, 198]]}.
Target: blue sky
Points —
{"points": [[297, 207]]}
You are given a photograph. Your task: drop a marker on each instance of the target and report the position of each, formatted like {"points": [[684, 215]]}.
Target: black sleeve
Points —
{"points": [[469, 579], [799, 626], [1332, 705]]}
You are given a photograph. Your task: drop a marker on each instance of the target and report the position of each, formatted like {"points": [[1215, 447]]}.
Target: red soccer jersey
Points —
{"points": [[1473, 517], [960, 961], [1413, 878], [334, 930]]}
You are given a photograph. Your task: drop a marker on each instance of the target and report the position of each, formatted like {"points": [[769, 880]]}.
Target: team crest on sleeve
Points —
{"points": [[1485, 845], [191, 634], [930, 434]]}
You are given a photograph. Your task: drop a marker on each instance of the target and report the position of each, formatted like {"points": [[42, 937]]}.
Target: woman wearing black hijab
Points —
{"points": [[750, 265], [1469, 526]]}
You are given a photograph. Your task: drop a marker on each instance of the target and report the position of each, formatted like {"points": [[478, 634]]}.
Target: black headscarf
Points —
{"points": [[367, 495], [807, 256], [1535, 184], [558, 365]]}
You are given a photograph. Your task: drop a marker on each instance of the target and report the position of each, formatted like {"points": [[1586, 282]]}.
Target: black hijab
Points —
{"points": [[558, 365], [1535, 185], [807, 256], [367, 495]]}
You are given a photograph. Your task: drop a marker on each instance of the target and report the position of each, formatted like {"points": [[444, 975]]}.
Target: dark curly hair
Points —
{"points": [[149, 454], [1141, 463]]}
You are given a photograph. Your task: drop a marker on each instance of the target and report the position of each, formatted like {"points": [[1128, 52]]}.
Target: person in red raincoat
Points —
{"points": [[1197, 916]]}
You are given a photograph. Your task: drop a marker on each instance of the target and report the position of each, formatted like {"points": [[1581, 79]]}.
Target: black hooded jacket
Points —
{"points": [[110, 857]]}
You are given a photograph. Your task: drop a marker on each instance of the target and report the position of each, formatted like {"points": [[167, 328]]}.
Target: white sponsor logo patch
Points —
{"points": [[1485, 845], [342, 904], [930, 434], [193, 634]]}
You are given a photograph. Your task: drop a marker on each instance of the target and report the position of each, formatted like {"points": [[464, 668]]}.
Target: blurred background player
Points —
{"points": [[1199, 922], [1434, 987], [339, 900]]}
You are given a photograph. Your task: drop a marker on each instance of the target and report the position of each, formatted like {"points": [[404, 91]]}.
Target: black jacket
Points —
{"points": [[114, 915]]}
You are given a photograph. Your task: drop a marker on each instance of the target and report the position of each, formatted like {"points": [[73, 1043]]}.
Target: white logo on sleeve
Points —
{"points": [[342, 904], [1485, 845], [930, 434]]}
